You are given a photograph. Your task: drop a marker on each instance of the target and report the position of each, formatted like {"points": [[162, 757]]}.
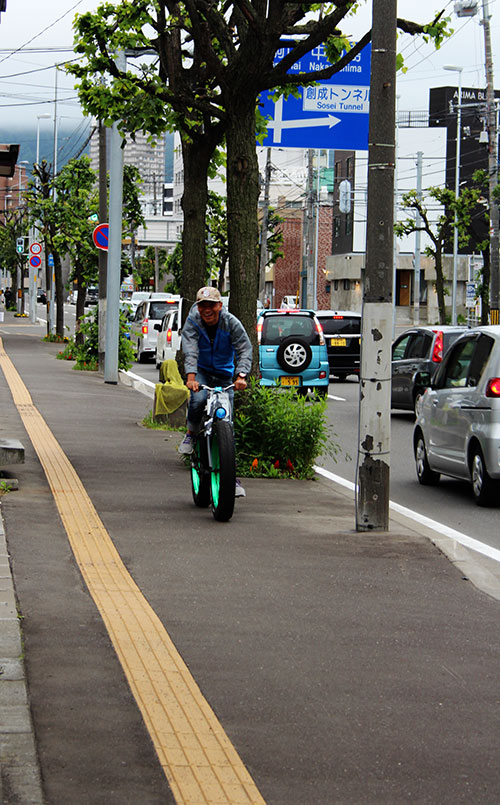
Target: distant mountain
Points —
{"points": [[72, 140]]}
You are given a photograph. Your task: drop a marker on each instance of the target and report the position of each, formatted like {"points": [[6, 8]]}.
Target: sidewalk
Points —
{"points": [[344, 667]]}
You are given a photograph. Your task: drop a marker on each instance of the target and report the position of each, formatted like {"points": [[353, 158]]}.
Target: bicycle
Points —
{"points": [[213, 460]]}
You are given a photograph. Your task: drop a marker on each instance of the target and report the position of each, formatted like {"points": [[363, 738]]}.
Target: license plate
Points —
{"points": [[338, 342], [290, 381]]}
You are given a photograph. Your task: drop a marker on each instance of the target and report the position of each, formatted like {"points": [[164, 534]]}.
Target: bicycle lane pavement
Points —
{"points": [[317, 647]]}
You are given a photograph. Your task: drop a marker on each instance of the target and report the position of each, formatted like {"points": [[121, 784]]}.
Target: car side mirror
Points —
{"points": [[157, 327], [423, 380]]}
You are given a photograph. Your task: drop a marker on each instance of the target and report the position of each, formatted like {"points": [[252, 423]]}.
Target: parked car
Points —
{"points": [[457, 432], [290, 302], [418, 349], [342, 329], [169, 335], [41, 296], [92, 295], [143, 335], [138, 297], [292, 350]]}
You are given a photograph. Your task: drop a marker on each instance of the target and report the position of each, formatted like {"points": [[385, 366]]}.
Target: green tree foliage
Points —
{"points": [[212, 62], [13, 225], [441, 232]]}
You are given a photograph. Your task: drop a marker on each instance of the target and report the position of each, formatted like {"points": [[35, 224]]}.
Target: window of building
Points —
{"points": [[336, 226], [347, 285], [348, 223]]}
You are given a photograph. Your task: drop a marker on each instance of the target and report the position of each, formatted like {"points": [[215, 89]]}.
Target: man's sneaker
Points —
{"points": [[187, 445], [239, 492]]}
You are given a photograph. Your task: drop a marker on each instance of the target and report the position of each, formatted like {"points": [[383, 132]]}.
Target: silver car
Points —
{"points": [[457, 431]]}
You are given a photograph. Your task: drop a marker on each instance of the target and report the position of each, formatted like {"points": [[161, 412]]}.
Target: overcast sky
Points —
{"points": [[27, 77]]}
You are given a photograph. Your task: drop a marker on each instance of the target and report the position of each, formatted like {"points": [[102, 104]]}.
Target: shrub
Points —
{"points": [[86, 355], [280, 434]]}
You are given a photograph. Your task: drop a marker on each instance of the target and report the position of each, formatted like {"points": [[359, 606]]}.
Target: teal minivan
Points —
{"points": [[292, 351]]}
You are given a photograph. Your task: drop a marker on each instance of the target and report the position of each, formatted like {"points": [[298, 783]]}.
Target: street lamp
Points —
{"points": [[457, 188]]}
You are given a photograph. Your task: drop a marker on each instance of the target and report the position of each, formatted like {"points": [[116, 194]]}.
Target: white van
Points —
{"points": [[149, 313]]}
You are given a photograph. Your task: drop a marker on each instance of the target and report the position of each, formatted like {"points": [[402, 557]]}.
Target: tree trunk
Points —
{"points": [[80, 304], [242, 205], [440, 286], [196, 157], [59, 295]]}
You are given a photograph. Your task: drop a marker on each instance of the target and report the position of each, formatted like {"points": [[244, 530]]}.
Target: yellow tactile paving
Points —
{"points": [[198, 759]]}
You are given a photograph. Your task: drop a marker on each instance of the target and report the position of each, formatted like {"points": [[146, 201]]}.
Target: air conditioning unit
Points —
{"points": [[465, 8]]}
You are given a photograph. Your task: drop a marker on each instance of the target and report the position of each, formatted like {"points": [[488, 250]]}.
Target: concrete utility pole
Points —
{"points": [[114, 248], [263, 230], [372, 504], [103, 255], [492, 167], [309, 238], [416, 284]]}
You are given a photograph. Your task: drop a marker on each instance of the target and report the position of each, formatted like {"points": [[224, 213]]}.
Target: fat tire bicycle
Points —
{"points": [[213, 460]]}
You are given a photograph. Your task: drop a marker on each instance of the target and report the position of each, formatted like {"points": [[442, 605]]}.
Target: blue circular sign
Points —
{"points": [[100, 236]]}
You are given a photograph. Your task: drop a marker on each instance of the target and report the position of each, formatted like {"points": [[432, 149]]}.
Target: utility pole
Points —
{"points": [[492, 167], [115, 247], [373, 471], [416, 284], [103, 255], [309, 238], [263, 231]]}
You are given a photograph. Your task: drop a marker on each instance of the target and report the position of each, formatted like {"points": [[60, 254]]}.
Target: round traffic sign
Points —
{"points": [[35, 261], [100, 236], [35, 248]]}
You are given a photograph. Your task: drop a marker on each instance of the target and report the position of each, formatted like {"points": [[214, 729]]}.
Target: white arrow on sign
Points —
{"points": [[278, 124]]}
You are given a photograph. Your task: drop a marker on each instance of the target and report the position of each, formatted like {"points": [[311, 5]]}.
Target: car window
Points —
{"points": [[399, 347], [139, 313], [419, 345], [480, 357], [456, 370], [276, 328], [157, 310], [340, 325]]}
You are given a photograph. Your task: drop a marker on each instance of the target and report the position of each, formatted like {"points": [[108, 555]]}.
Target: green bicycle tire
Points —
{"points": [[223, 475], [200, 476]]}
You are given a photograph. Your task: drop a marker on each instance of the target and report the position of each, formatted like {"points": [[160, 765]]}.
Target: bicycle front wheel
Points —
{"points": [[223, 475], [200, 475]]}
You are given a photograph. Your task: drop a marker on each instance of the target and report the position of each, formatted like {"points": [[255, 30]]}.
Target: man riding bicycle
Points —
{"points": [[211, 339]]}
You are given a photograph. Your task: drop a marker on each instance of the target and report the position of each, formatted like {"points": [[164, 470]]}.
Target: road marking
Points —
{"points": [[333, 397], [422, 519], [197, 757]]}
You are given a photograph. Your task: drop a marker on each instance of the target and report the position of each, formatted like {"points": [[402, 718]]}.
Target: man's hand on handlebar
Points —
{"points": [[240, 383], [192, 383]]}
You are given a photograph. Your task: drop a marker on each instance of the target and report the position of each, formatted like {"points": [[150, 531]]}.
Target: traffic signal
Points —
{"points": [[20, 245]]}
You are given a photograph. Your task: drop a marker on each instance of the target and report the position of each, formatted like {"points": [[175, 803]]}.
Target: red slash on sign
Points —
{"points": [[100, 236]]}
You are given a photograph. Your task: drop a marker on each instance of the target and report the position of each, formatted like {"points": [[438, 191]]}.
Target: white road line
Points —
{"points": [[442, 530], [332, 397]]}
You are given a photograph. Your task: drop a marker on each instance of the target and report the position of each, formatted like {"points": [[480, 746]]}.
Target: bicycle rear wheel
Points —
{"points": [[200, 475], [223, 475]]}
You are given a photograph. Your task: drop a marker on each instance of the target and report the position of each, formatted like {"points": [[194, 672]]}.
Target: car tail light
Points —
{"points": [[259, 330], [322, 375], [145, 327], [493, 387], [319, 330], [169, 335], [337, 317], [437, 352]]}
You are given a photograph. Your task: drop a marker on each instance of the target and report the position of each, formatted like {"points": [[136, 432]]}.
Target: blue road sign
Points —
{"points": [[332, 114], [50, 260], [100, 236], [35, 261]]}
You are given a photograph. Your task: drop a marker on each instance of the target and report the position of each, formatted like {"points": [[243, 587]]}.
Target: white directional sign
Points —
{"points": [[332, 114]]}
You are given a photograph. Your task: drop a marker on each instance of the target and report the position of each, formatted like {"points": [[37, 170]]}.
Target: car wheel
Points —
{"points": [[483, 487], [416, 401], [425, 475], [294, 354]]}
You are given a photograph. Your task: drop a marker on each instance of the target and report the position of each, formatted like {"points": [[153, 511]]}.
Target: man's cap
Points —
{"points": [[208, 294]]}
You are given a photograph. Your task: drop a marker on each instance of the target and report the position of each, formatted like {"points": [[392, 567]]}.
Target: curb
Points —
{"points": [[20, 779]]}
